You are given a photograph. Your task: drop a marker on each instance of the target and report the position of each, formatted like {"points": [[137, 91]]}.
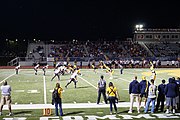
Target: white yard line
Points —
{"points": [[87, 82], [7, 77], [66, 105], [45, 99]]}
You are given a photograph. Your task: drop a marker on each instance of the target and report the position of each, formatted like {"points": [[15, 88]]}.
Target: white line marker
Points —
{"points": [[7, 78], [99, 112], [45, 99], [33, 91], [27, 114], [88, 82], [19, 90]]}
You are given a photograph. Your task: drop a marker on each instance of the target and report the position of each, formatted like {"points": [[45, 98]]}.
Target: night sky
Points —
{"points": [[84, 19]]}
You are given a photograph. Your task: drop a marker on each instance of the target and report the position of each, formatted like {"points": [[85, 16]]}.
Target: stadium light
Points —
{"points": [[139, 27]]}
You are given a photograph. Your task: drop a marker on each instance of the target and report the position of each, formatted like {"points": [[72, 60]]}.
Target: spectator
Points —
{"points": [[151, 97], [161, 96], [144, 84], [171, 93], [101, 89], [58, 99], [178, 84], [6, 97], [134, 91], [112, 96]]}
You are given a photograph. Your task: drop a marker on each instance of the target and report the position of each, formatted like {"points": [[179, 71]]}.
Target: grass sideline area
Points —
{"points": [[28, 88]]}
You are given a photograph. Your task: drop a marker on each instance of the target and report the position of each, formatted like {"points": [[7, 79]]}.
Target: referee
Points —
{"points": [[101, 89]]}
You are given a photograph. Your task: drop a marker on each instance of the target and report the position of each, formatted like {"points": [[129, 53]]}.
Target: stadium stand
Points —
{"points": [[147, 45]]}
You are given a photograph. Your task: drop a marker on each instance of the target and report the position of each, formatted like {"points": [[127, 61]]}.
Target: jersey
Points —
{"points": [[17, 67], [44, 67], [111, 91], [74, 75], [36, 67], [153, 76], [93, 66], [152, 66], [57, 71]]}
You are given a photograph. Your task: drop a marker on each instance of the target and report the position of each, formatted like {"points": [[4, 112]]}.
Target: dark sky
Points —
{"points": [[84, 19]]}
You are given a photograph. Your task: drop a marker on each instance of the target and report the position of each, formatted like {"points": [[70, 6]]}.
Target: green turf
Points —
{"points": [[26, 80]]}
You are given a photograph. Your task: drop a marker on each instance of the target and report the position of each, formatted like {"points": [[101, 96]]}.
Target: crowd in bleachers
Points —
{"points": [[70, 49], [104, 48], [164, 49], [115, 49]]}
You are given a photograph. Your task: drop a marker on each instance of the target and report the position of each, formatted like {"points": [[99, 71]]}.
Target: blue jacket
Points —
{"points": [[134, 87], [171, 89], [143, 85], [161, 89]]}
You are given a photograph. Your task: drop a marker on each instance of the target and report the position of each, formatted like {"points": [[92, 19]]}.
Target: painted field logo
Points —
{"points": [[107, 117]]}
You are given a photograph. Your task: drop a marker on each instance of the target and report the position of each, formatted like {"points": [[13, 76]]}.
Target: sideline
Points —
{"points": [[66, 105]]}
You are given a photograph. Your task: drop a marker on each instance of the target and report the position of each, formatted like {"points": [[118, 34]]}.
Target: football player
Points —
{"points": [[36, 68], [17, 69], [153, 76], [73, 78], [56, 73], [44, 69]]}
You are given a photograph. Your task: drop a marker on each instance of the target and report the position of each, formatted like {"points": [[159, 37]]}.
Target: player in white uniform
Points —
{"points": [[73, 78], [56, 73], [36, 68], [63, 69], [17, 69], [58, 64], [44, 69]]}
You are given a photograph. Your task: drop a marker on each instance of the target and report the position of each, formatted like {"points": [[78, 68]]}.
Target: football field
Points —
{"points": [[28, 88]]}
